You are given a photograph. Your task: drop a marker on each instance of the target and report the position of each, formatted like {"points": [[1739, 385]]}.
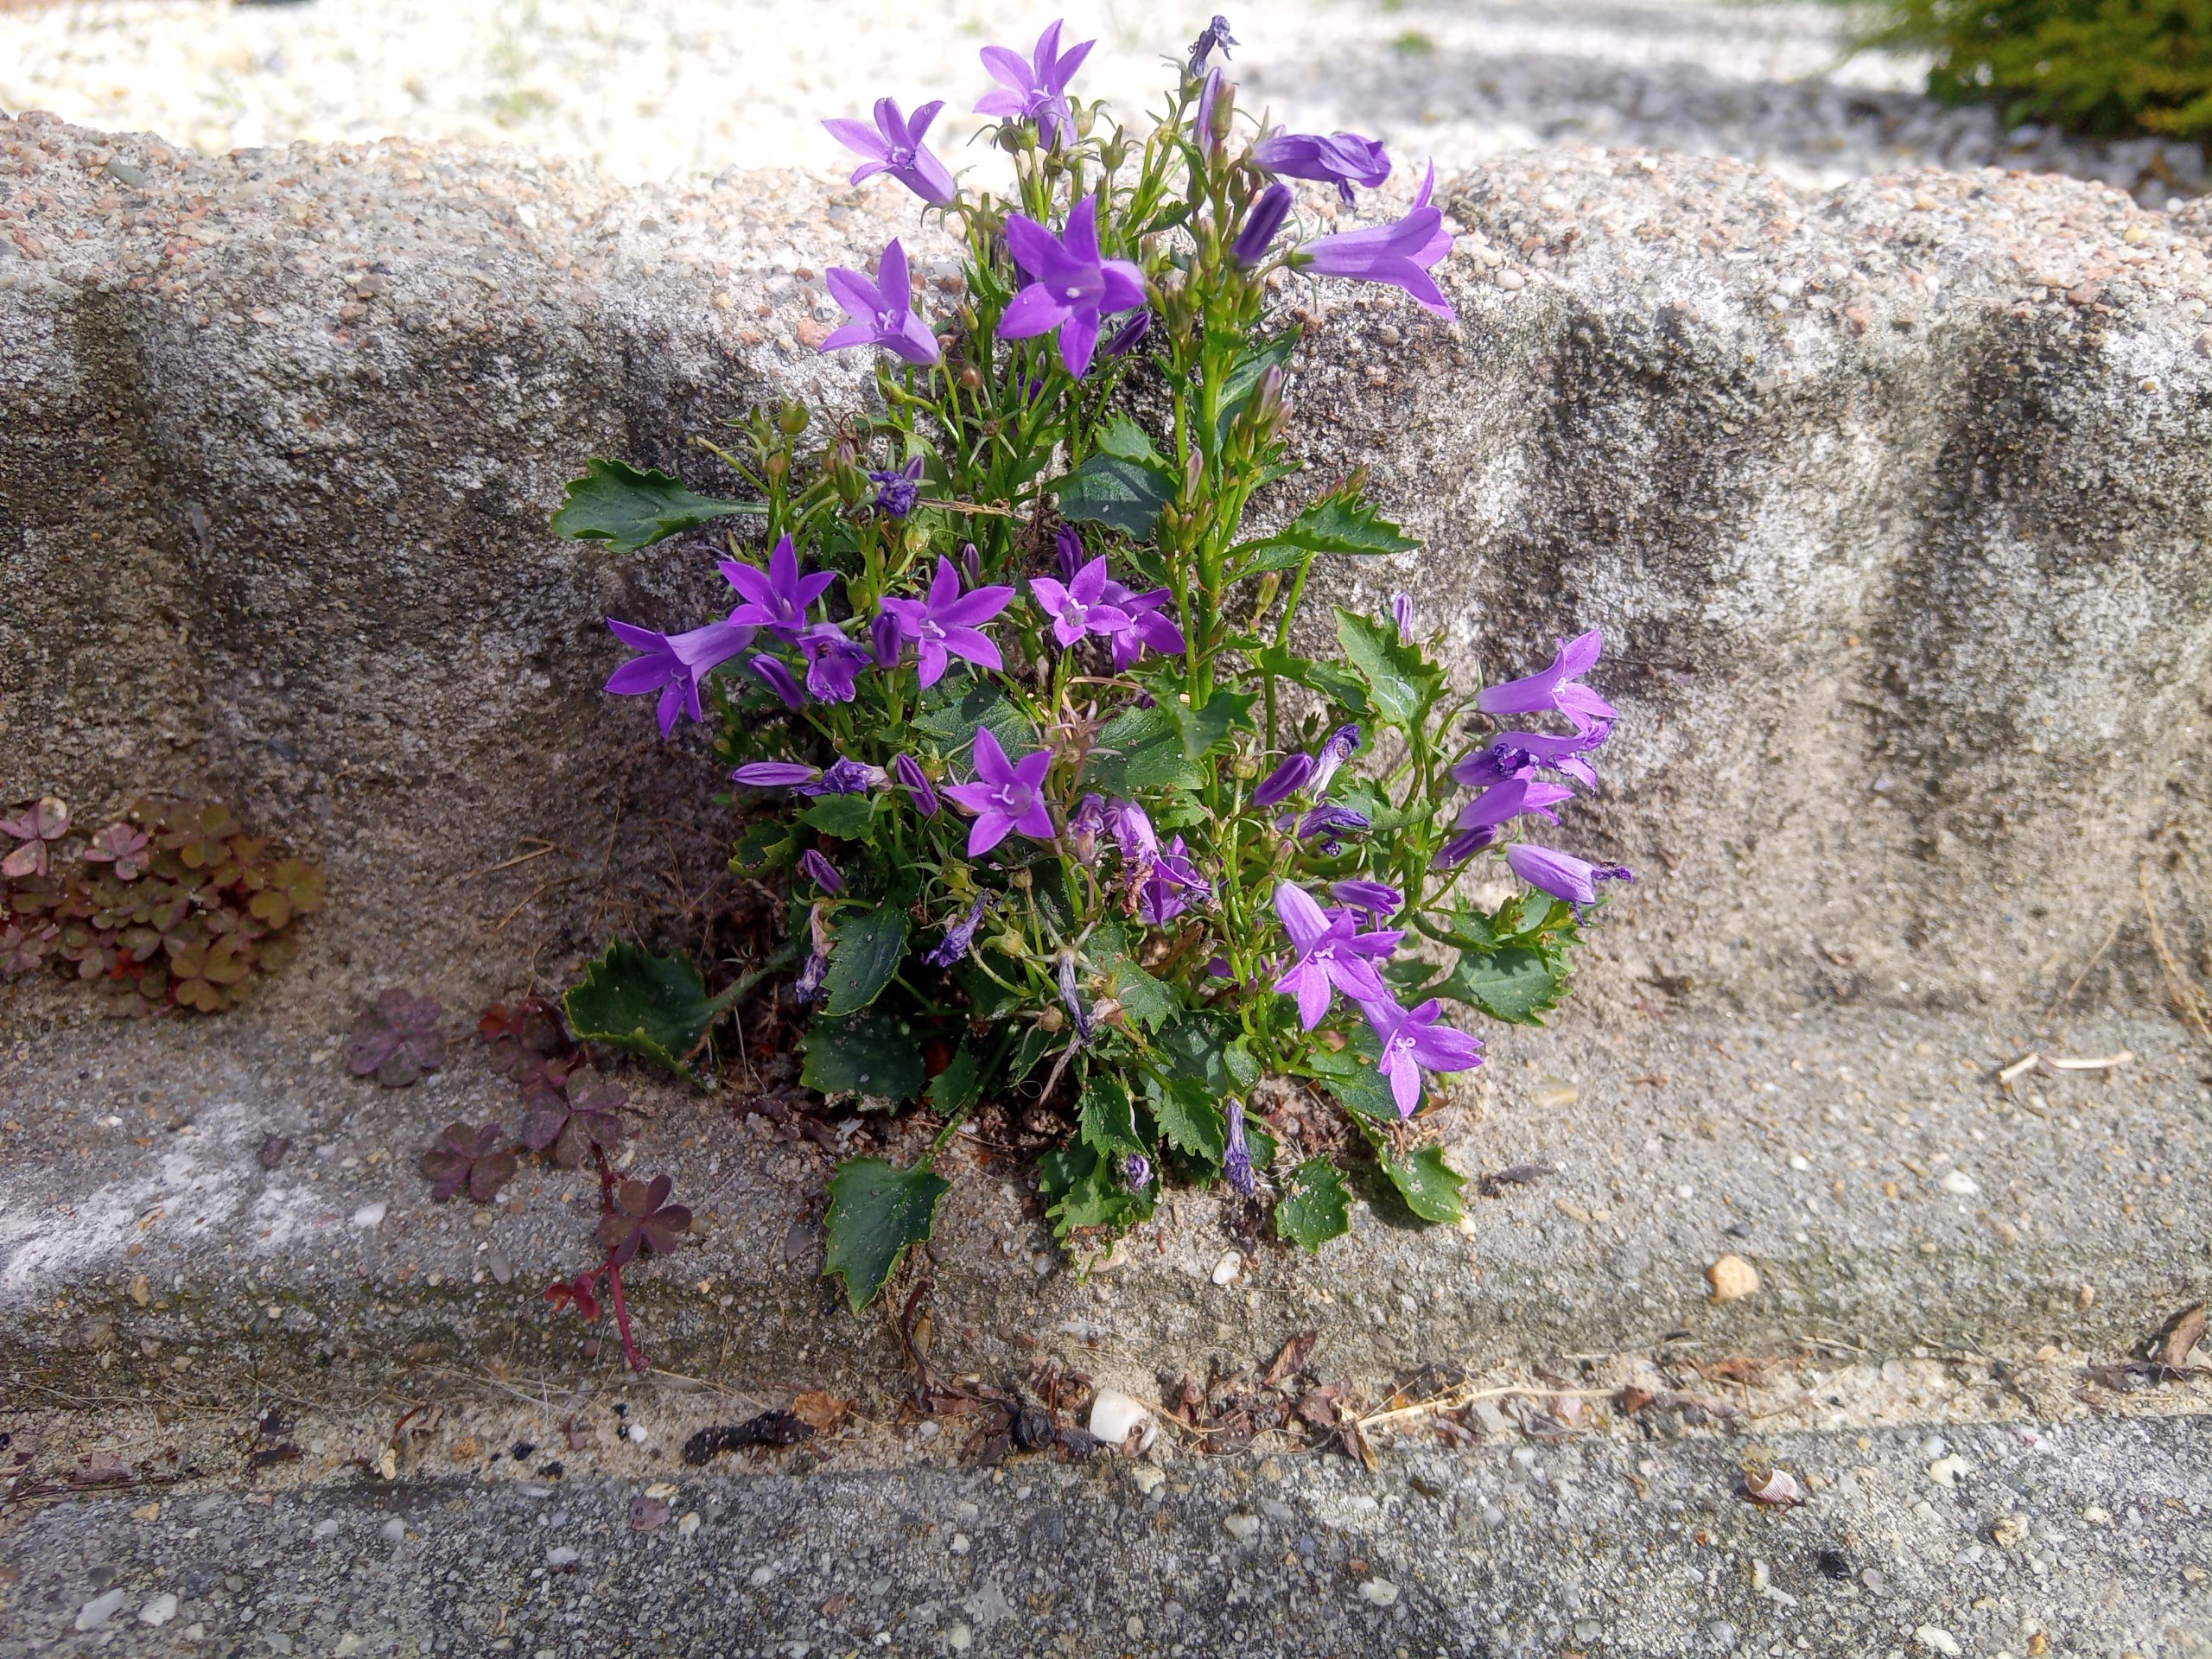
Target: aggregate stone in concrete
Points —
{"points": [[2086, 1540]]}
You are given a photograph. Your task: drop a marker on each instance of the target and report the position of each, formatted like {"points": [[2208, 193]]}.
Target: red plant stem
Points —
{"points": [[638, 1361]]}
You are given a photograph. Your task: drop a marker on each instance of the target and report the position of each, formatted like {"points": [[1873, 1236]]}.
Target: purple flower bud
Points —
{"points": [[822, 873], [1285, 781], [1136, 1172], [883, 633], [1202, 119], [1377, 898], [915, 782], [958, 936], [1069, 542], [1342, 744], [1402, 612], [1330, 824], [1073, 999], [1085, 827], [1261, 225], [971, 564], [1237, 1162], [774, 774], [778, 678], [847, 778], [1464, 846], [1219, 968], [1129, 335]]}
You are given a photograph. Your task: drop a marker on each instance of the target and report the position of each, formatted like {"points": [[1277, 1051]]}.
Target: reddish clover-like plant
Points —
{"points": [[640, 1216], [124, 847], [396, 1039], [578, 1293], [584, 1113], [470, 1159], [36, 826]]}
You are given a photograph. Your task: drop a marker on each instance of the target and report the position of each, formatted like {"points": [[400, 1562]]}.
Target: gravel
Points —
{"points": [[657, 89]]}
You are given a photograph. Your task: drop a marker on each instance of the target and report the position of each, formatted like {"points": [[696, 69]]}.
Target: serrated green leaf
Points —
{"points": [[1515, 984], [959, 1086], [1139, 751], [767, 844], [1147, 1001], [846, 816], [1080, 1183], [634, 507], [875, 1055], [1110, 1118], [1399, 684], [1108, 489], [877, 1213], [863, 956], [1126, 441], [656, 1007], [1335, 524], [1350, 1075], [1189, 1120], [1338, 685], [957, 705], [1429, 1186], [1197, 1047], [1315, 1207]]}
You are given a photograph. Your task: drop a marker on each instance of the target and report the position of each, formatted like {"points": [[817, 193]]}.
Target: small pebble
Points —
{"points": [[560, 1556], [159, 1610], [1959, 1184], [394, 1531], [1242, 1527], [1936, 1639], [1945, 1471], [1733, 1278], [100, 1609], [370, 1215], [1114, 1414], [1380, 1592], [1226, 1269], [690, 1523]]}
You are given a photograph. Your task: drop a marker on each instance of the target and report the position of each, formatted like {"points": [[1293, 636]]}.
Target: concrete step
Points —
{"points": [[1889, 1194], [2088, 1538]]}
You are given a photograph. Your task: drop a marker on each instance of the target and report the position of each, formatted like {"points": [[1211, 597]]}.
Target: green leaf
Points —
{"points": [[953, 708], [877, 1213], [1189, 1120], [875, 1055], [1350, 1075], [1139, 751], [1342, 523], [1244, 376], [1399, 684], [862, 958], [1335, 683], [1428, 1185], [1110, 1119], [1515, 984], [846, 816], [767, 844], [1315, 1207], [1125, 440], [1080, 1184], [1197, 1047], [657, 1006], [1149, 1001], [958, 1086], [632, 508], [1113, 490]]}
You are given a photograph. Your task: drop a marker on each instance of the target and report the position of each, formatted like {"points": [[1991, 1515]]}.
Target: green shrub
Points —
{"points": [[2105, 68]]}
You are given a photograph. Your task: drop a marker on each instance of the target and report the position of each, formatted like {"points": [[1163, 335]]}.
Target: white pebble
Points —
{"points": [[159, 1610], [369, 1215], [395, 1530], [637, 1432], [1945, 1471], [960, 1543], [1114, 1414], [1380, 1592], [1959, 1184], [100, 1609], [1935, 1639], [560, 1556], [1242, 1527], [1226, 1269], [690, 1523]]}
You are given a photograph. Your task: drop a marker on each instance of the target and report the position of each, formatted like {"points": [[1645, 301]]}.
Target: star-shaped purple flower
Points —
{"points": [[1145, 626], [948, 623], [674, 664], [777, 599], [1413, 1038], [1397, 255], [1007, 798], [1334, 955], [833, 662], [1170, 886], [882, 311], [1556, 687], [1072, 285], [1079, 604], [1343, 159], [1037, 90], [1512, 753], [895, 147]]}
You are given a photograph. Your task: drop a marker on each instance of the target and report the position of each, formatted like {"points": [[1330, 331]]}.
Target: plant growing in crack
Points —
{"points": [[1072, 792]]}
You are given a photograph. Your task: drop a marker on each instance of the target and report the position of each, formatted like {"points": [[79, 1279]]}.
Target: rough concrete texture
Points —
{"points": [[1888, 1193], [1893, 502], [2084, 1540]]}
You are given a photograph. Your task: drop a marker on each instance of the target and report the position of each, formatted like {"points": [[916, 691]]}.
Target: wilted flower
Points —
{"points": [[820, 937], [1510, 754], [778, 598], [1136, 1172], [1007, 797], [896, 492], [1073, 285], [845, 777], [958, 936], [1342, 745], [895, 147], [1237, 1159], [1072, 998], [1133, 832], [1215, 36], [1397, 255], [1170, 886], [1330, 824], [1037, 90], [1085, 827]]}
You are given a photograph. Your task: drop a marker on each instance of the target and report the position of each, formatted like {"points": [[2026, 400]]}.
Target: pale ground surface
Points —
{"points": [[656, 89]]}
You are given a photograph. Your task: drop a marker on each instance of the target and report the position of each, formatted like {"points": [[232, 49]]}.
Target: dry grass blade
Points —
{"points": [[2192, 1002]]}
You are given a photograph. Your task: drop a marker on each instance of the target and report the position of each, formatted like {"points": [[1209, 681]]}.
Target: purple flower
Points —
{"points": [[1413, 1038], [882, 311], [1343, 159], [1202, 133], [896, 492], [1078, 606], [1397, 255], [1215, 36], [1132, 833], [1402, 613], [1285, 781], [1329, 822], [847, 778], [1136, 1171], [1237, 1160], [883, 635], [1072, 287], [674, 664], [821, 871], [1129, 335], [833, 662], [915, 782], [971, 563], [1146, 624], [1073, 998], [1085, 827], [1037, 90], [1170, 886], [958, 936], [1512, 753], [895, 147], [1260, 225], [779, 600], [1376, 897], [1007, 797], [945, 625], [1556, 687], [1562, 874], [778, 679], [774, 774], [1332, 955], [1342, 744]]}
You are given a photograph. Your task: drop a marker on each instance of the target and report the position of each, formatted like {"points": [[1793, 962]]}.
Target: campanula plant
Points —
{"points": [[1020, 692]]}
